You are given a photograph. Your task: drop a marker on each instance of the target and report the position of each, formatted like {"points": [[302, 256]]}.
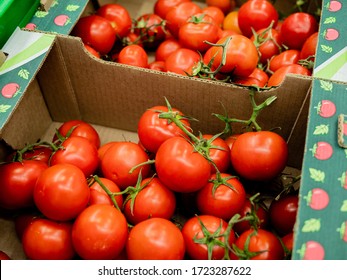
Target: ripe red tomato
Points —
{"points": [[256, 14], [118, 161], [259, 156], [194, 235], [260, 75], [308, 50], [225, 200], [241, 55], [99, 233], [288, 243], [166, 48], [283, 213], [134, 55], [119, 17], [155, 239], [157, 66], [4, 256], [153, 131], [181, 60], [79, 128], [296, 29], [162, 7], [279, 75], [180, 167], [216, 13], [99, 196], [45, 239], [286, 57], [225, 5], [151, 199], [219, 153], [61, 192], [17, 182], [179, 14], [78, 151], [92, 51], [40, 153], [259, 244], [196, 30], [95, 31], [22, 221]]}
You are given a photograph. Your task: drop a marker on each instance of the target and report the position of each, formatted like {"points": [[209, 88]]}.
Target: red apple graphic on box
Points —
{"points": [[317, 199], [326, 108], [311, 250], [331, 34], [62, 20], [343, 231], [334, 6], [31, 26], [322, 150], [10, 90], [343, 180]]}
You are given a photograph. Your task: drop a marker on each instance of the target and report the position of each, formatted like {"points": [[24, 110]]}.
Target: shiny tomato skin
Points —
{"points": [[95, 31], [155, 239], [22, 221], [261, 240], [192, 229], [17, 183], [225, 202], [231, 22], [279, 75], [134, 55], [308, 50], [61, 192], [259, 156], [92, 51], [225, 5], [79, 128], [78, 151], [45, 239], [260, 75], [181, 60], [256, 14], [179, 167], [118, 161], [283, 212], [119, 17], [153, 130], [99, 233], [166, 48], [216, 13], [284, 58], [154, 200], [99, 196], [41, 153], [162, 7], [157, 66], [296, 28]]}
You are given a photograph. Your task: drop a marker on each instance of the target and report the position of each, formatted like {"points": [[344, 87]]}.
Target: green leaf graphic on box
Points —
{"points": [[321, 129], [343, 180], [4, 108], [24, 73], [344, 206], [327, 86], [72, 8], [343, 231], [317, 175], [311, 225], [330, 20], [326, 49], [41, 14]]}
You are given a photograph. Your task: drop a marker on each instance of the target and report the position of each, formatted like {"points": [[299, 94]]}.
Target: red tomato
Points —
{"points": [[78, 151], [196, 30], [152, 199], [61, 192], [256, 14], [283, 214], [259, 156], [153, 130], [166, 48], [296, 29], [260, 75], [4, 256], [22, 221], [206, 244], [79, 128], [279, 75], [225, 33], [288, 243], [247, 81], [118, 16], [308, 50], [241, 55], [222, 198], [99, 196], [40, 153], [17, 182], [134, 55], [155, 239], [162, 7], [45, 239], [95, 31], [259, 245], [92, 51], [230, 140], [181, 60], [286, 57], [103, 148], [157, 65], [179, 14], [225, 5], [216, 13], [99, 233], [180, 167], [118, 161]]}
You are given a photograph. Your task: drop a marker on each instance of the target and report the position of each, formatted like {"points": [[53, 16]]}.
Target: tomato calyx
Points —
{"points": [[147, 33], [199, 18], [252, 216], [308, 62], [222, 181]]}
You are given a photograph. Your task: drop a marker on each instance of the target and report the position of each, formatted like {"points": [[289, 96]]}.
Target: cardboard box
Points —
{"points": [[71, 84]]}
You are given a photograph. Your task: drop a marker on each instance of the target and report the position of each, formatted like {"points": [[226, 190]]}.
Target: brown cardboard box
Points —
{"points": [[74, 85]]}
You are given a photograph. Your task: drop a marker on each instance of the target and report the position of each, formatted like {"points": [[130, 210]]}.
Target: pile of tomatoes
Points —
{"points": [[175, 194], [250, 45]]}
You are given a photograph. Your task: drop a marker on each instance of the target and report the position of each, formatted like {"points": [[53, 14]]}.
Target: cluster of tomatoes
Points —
{"points": [[250, 45], [175, 194]]}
